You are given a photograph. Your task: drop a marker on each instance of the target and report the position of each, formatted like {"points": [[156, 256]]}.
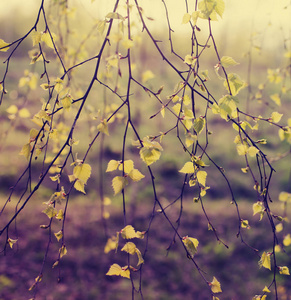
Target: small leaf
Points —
{"points": [[127, 165], [186, 18], [118, 184], [111, 244], [276, 117], [284, 270], [265, 261], [82, 172], [112, 165], [11, 242], [188, 168], [25, 151], [45, 37], [116, 270], [227, 61], [245, 224], [276, 98], [63, 251], [3, 44], [114, 15], [147, 75], [129, 247], [50, 211], [103, 127], [36, 37], [253, 151], [191, 245], [257, 208], [201, 177], [135, 175], [128, 232], [266, 290], [59, 235], [80, 186], [12, 109], [215, 286], [199, 124], [140, 258], [287, 240]]}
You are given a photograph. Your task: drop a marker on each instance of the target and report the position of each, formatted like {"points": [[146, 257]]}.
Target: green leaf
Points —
{"points": [[265, 261], [257, 208], [191, 245], [116, 270], [188, 168], [119, 183], [227, 61], [253, 151], [199, 124], [215, 286], [235, 84], [201, 177]]}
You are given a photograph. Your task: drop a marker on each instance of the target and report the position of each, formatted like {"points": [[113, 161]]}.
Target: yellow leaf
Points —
{"points": [[242, 149], [82, 172], [284, 270], [103, 127], [24, 113], [60, 215], [191, 245], [11, 242], [118, 184], [265, 261], [127, 43], [276, 117], [135, 175], [26, 151], [188, 168], [195, 16], [287, 240], [59, 235], [149, 156], [80, 186], [190, 60], [285, 197], [128, 232], [45, 37], [128, 166], [36, 37], [266, 290], [116, 270], [201, 177], [186, 18], [253, 151], [12, 109], [3, 44], [50, 211], [227, 61], [111, 244], [199, 124], [257, 208], [215, 286], [129, 247], [245, 224], [112, 165], [63, 251], [66, 102], [140, 258], [276, 99], [147, 75]]}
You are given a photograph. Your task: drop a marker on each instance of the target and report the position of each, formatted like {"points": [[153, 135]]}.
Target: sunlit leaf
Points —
{"points": [[284, 270], [215, 286], [119, 183], [227, 61], [276, 117], [63, 251], [265, 261], [188, 168], [147, 75], [82, 172], [191, 245], [128, 232], [129, 247], [3, 44], [276, 98], [186, 18], [80, 186], [116, 270], [199, 124], [201, 177], [11, 242], [135, 175], [103, 127], [287, 240], [59, 235], [36, 38]]}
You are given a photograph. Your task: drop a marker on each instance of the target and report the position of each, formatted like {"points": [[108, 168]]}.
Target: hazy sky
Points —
{"points": [[239, 14]]}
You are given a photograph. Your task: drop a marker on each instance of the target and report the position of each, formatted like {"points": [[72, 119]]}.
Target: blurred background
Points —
{"points": [[257, 35]]}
